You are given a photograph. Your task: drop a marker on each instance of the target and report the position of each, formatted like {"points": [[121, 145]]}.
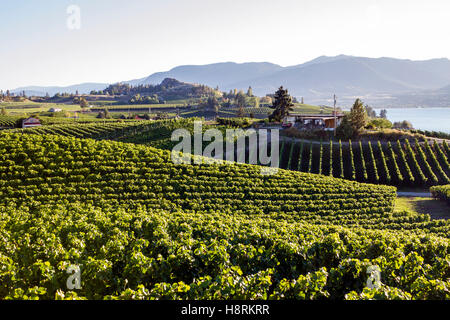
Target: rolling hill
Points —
{"points": [[382, 81], [140, 227], [82, 88], [379, 81]]}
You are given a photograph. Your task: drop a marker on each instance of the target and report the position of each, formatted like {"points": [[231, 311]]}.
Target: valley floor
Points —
{"points": [[423, 205]]}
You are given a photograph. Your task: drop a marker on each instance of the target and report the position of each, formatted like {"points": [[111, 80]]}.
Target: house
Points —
{"points": [[30, 122], [313, 121], [54, 110]]}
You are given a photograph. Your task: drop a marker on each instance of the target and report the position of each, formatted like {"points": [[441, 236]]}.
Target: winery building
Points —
{"points": [[314, 121], [30, 122]]}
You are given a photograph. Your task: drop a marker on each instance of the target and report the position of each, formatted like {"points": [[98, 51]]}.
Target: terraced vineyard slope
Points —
{"points": [[140, 227], [398, 164]]}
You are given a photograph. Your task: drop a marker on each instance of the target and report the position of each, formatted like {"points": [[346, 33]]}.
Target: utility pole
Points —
{"points": [[335, 115]]}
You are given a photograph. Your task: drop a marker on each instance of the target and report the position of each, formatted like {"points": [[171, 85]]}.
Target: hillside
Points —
{"points": [[401, 163], [398, 163], [144, 228], [168, 89], [379, 81], [150, 170], [82, 88], [217, 74]]}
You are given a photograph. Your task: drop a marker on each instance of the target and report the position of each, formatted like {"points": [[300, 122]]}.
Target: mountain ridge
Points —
{"points": [[315, 80]]}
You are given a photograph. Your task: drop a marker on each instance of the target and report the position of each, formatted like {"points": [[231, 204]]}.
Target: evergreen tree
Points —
{"points": [[358, 116], [282, 104], [241, 101], [345, 129], [250, 92]]}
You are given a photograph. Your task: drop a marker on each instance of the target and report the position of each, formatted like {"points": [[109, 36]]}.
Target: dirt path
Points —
{"points": [[422, 203]]}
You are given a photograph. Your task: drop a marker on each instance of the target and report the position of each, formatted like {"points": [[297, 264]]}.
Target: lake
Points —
{"points": [[431, 119]]}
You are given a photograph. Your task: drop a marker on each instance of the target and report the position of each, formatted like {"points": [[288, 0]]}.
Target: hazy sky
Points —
{"points": [[122, 40]]}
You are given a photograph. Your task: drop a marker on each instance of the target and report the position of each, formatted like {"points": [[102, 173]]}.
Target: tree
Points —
{"points": [[403, 125], [266, 100], [83, 102], [282, 104], [254, 102], [4, 112], [370, 112], [212, 103], [380, 124], [216, 110], [383, 114], [345, 130], [250, 92], [241, 102], [358, 116]]}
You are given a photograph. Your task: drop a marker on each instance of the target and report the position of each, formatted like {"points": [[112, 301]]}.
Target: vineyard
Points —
{"points": [[401, 164], [441, 192], [15, 121], [141, 227], [265, 111], [8, 121], [95, 130], [153, 133], [398, 164]]}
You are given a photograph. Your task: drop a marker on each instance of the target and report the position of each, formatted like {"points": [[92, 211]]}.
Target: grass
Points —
{"points": [[435, 208], [137, 106], [21, 108], [307, 108]]}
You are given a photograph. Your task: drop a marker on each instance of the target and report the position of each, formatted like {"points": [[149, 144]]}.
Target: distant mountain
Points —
{"points": [[83, 88], [379, 81], [218, 74], [350, 77]]}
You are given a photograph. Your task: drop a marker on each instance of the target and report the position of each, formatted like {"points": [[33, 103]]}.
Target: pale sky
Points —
{"points": [[123, 40]]}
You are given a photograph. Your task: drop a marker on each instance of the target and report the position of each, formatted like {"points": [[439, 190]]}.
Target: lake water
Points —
{"points": [[431, 119]]}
